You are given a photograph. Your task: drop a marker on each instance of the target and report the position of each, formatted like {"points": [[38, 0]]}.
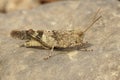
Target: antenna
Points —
{"points": [[94, 20]]}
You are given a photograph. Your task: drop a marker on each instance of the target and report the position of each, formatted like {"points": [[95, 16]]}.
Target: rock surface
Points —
{"points": [[27, 63]]}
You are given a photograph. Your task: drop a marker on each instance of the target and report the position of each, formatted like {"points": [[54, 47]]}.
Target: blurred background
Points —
{"points": [[15, 5]]}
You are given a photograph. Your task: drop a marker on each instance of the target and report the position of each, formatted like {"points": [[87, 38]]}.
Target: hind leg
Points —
{"points": [[33, 44], [84, 47]]}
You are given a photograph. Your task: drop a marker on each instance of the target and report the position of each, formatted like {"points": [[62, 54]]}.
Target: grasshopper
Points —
{"points": [[53, 39]]}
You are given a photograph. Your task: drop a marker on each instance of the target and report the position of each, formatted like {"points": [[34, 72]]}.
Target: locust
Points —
{"points": [[54, 39]]}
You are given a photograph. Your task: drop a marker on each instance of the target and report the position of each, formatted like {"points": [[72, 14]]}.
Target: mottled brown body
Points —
{"points": [[62, 39], [53, 39], [49, 39]]}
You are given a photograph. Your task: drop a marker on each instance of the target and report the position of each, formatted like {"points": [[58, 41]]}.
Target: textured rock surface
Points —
{"points": [[27, 64]]}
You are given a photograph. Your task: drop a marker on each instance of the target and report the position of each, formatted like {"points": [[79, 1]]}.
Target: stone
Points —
{"points": [[103, 63]]}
